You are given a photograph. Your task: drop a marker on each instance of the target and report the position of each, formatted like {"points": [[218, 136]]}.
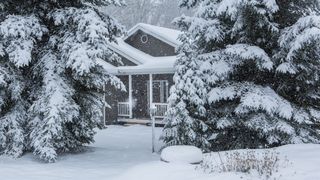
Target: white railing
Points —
{"points": [[161, 109], [124, 109]]}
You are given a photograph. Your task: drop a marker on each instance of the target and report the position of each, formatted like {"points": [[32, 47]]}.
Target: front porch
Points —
{"points": [[125, 110], [143, 91]]}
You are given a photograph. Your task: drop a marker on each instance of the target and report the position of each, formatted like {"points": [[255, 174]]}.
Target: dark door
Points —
{"points": [[140, 107]]}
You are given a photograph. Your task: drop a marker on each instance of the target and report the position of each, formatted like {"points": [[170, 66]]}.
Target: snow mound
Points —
{"points": [[182, 154]]}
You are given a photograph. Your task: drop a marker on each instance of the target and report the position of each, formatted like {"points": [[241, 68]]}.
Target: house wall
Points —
{"points": [[111, 114], [153, 46], [112, 97]]}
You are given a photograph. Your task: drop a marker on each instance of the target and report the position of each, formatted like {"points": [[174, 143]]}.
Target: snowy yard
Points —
{"points": [[124, 153]]}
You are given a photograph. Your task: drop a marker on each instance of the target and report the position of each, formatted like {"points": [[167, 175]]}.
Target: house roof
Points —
{"points": [[146, 63]]}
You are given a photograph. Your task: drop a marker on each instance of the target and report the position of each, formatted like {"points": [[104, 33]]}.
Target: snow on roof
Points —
{"points": [[160, 65], [167, 35], [146, 63]]}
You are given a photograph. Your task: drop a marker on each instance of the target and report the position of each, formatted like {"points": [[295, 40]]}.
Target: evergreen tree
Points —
{"points": [[186, 108], [12, 133], [298, 71], [236, 49], [52, 48]]}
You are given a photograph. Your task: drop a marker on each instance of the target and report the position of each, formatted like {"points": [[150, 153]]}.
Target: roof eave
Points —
{"points": [[145, 71]]}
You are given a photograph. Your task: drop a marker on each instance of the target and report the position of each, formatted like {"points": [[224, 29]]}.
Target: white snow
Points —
{"points": [[181, 154], [124, 153]]}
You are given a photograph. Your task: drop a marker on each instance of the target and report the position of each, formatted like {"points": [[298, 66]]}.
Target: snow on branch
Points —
{"points": [[2, 51], [18, 34], [232, 7], [222, 93], [21, 27], [247, 52], [88, 41], [57, 92], [105, 2], [188, 3], [11, 130], [269, 125], [219, 64], [3, 78], [252, 98], [291, 33], [54, 108], [211, 29], [305, 32], [264, 98]]}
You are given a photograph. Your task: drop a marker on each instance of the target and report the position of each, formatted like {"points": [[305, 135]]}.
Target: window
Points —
{"points": [[144, 38]]}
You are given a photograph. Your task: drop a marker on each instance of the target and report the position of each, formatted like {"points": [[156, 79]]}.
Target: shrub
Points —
{"points": [[264, 163]]}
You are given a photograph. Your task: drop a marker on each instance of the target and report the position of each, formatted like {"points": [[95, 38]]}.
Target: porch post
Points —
{"points": [[152, 112], [130, 96], [104, 104], [150, 91]]}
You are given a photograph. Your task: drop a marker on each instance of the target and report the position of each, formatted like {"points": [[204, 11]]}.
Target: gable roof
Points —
{"points": [[167, 35], [145, 63]]}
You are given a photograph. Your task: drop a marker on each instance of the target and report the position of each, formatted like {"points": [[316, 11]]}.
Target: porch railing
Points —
{"points": [[161, 109], [124, 109]]}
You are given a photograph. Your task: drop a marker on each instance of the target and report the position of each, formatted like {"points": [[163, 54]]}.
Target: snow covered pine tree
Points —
{"points": [[50, 78], [258, 60]]}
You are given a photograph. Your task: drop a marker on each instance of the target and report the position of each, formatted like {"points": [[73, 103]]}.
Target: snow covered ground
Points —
{"points": [[124, 153]]}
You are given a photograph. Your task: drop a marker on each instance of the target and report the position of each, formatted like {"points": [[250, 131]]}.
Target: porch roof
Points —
{"points": [[163, 65]]}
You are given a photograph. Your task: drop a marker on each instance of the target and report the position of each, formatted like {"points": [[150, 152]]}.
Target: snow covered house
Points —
{"points": [[148, 54]]}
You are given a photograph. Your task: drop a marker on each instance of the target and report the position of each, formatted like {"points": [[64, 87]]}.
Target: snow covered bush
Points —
{"points": [[264, 163], [181, 154], [246, 78], [50, 78]]}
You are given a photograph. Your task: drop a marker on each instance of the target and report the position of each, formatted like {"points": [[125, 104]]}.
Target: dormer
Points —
{"points": [[153, 40]]}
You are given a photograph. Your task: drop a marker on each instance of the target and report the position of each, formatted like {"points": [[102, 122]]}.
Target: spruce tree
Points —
{"points": [[186, 108], [239, 46], [51, 51], [12, 132]]}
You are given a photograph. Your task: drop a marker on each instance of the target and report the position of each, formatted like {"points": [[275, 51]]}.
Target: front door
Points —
{"points": [[160, 90], [140, 107]]}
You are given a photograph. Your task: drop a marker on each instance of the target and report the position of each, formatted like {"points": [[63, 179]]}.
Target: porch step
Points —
{"points": [[146, 122]]}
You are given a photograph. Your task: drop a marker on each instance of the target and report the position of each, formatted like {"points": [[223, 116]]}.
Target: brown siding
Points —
{"points": [[111, 114], [112, 97], [153, 46]]}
